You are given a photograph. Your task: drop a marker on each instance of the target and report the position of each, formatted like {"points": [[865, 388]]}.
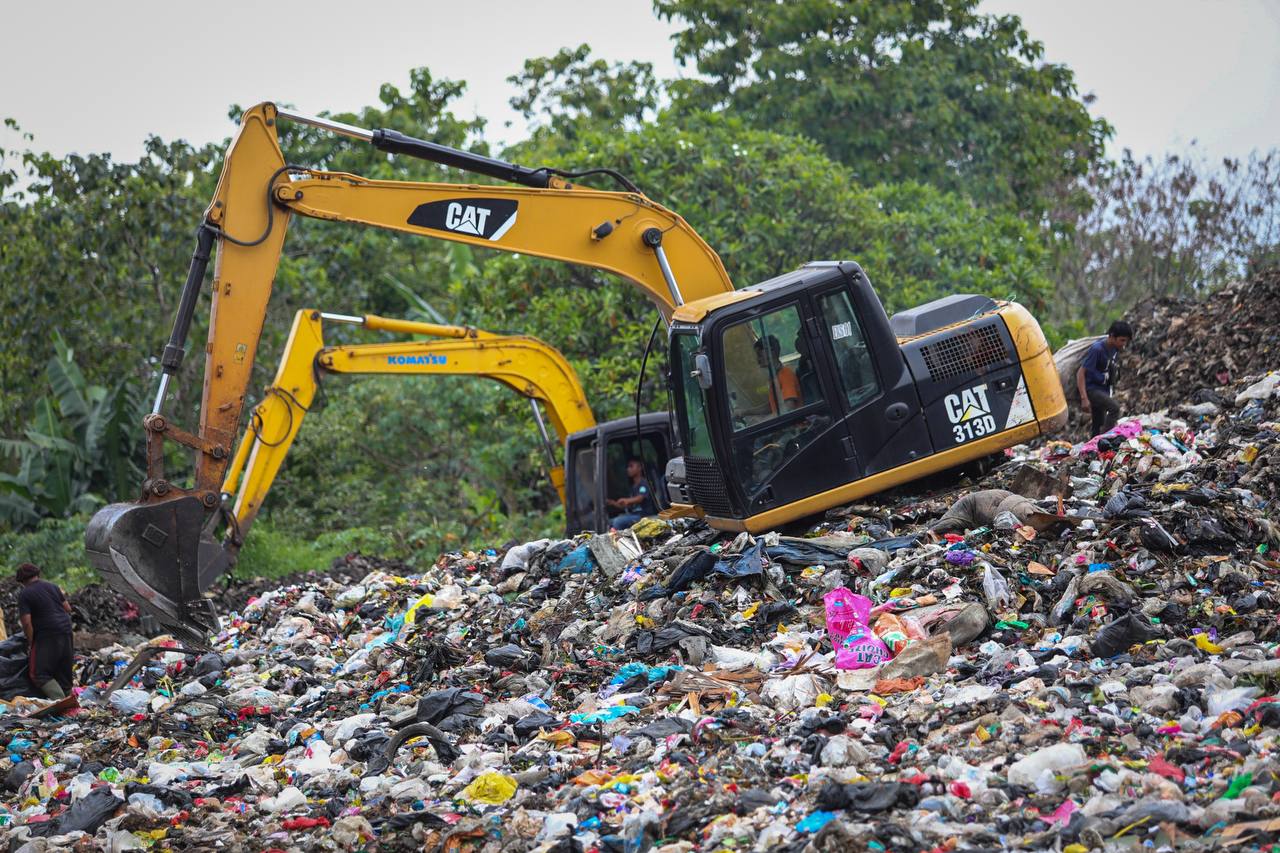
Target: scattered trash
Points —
{"points": [[1085, 655]]}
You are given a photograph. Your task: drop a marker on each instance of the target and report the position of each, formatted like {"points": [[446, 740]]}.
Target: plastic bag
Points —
{"points": [[848, 616], [995, 588], [491, 788], [890, 628], [130, 701]]}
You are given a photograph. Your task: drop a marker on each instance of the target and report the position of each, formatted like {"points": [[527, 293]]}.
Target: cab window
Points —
{"points": [[854, 367], [650, 449], [582, 487], [691, 413], [763, 367], [775, 396]]}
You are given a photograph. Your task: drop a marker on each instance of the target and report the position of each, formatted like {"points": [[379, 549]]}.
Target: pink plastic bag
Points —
{"points": [[848, 617]]}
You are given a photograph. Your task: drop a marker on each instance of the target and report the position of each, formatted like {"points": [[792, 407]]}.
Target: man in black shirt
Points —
{"points": [[637, 504], [45, 614]]}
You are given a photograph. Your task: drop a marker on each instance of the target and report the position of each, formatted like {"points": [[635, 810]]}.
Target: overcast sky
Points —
{"points": [[89, 76]]}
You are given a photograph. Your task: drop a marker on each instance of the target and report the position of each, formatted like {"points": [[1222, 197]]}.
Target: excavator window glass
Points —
{"points": [[853, 361], [762, 367], [650, 449], [690, 406], [582, 490], [775, 395]]}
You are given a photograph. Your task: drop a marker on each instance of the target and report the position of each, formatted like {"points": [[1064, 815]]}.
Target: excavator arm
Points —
{"points": [[150, 549], [526, 365]]}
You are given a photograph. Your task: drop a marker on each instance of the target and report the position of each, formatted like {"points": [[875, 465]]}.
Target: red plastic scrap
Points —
{"points": [[304, 822], [1159, 765]]}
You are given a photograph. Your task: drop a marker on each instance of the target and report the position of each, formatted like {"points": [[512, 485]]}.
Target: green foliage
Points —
{"points": [[935, 91], [93, 250], [927, 141], [273, 552], [569, 90], [419, 464], [79, 446], [56, 545]]}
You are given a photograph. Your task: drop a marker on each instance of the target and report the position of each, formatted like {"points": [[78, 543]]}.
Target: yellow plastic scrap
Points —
{"points": [[900, 591], [823, 700], [751, 611], [650, 528], [559, 738], [412, 613], [491, 788], [1204, 644]]}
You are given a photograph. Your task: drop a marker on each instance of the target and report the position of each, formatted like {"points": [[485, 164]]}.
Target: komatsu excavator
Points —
{"points": [[596, 454], [791, 396]]}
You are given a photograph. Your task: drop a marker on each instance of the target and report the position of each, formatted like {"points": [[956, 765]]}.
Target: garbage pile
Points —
{"points": [[1077, 653], [1188, 345]]}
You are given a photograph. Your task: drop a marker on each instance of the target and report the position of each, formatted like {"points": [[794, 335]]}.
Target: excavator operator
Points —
{"points": [[638, 503]]}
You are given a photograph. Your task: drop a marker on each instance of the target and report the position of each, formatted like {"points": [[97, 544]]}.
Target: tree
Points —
{"points": [[565, 91], [935, 92], [1177, 226]]}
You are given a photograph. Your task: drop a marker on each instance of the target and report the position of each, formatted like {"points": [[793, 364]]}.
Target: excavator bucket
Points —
{"points": [[160, 556]]}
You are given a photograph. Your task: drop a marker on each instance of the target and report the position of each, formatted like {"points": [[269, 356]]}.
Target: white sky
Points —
{"points": [[90, 76]]}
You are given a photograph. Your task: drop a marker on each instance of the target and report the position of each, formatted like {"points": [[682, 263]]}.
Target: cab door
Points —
{"points": [[787, 436], [582, 510], [875, 394]]}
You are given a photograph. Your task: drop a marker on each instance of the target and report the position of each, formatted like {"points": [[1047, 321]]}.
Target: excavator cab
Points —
{"points": [[797, 395], [596, 462]]}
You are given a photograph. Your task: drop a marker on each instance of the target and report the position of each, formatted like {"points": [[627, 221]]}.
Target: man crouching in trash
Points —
{"points": [[45, 614]]}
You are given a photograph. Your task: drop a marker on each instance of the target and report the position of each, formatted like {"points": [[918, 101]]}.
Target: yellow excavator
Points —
{"points": [[791, 396], [595, 453]]}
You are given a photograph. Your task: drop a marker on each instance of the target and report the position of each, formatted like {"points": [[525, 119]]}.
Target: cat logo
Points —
{"points": [[970, 414], [968, 404], [468, 218], [486, 218]]}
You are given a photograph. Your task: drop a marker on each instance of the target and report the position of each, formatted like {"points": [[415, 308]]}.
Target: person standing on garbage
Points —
{"points": [[1094, 377], [637, 504], [45, 615]]}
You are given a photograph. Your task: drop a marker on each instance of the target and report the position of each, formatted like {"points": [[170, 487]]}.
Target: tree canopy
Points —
{"points": [[936, 92], [927, 141]]}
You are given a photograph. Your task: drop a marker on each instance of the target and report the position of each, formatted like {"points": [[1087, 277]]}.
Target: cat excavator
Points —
{"points": [[595, 453], [790, 396]]}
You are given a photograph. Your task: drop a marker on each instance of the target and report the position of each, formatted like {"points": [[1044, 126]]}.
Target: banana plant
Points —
{"points": [[78, 449]]}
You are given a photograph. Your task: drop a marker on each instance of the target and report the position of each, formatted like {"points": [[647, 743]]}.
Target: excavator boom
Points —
{"points": [[524, 364], [149, 549]]}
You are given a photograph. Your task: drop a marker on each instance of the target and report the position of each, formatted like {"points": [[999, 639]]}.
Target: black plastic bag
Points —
{"points": [[85, 815], [1118, 635]]}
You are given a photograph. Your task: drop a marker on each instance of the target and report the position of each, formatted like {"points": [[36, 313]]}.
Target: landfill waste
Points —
{"points": [[1185, 351], [1106, 678]]}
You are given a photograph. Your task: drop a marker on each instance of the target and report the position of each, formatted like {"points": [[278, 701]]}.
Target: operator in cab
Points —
{"points": [[637, 504]]}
